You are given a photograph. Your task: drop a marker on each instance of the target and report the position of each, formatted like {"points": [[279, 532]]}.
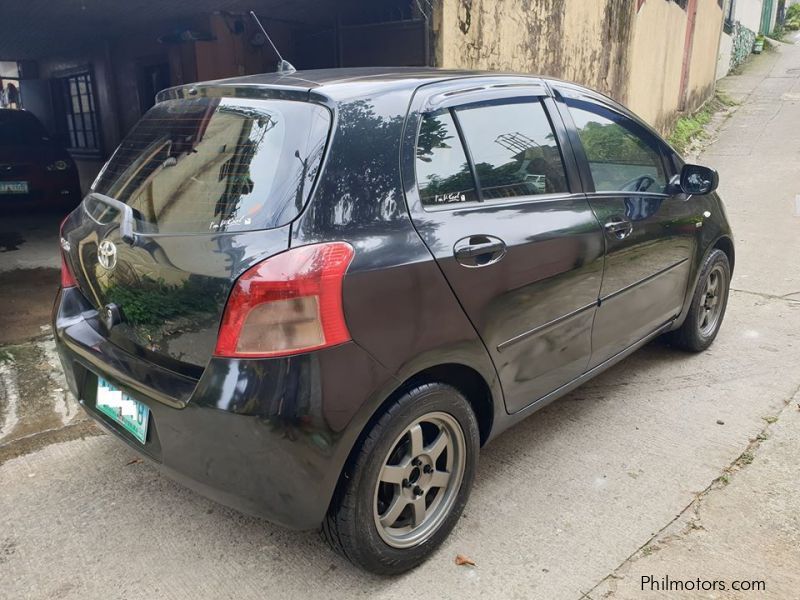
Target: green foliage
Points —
{"points": [[152, 302], [792, 20], [611, 143], [432, 135], [692, 127]]}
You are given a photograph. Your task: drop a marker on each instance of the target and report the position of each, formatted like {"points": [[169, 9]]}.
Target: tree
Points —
{"points": [[612, 143]]}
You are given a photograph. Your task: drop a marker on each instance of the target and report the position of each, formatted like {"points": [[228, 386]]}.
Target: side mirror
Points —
{"points": [[696, 180]]}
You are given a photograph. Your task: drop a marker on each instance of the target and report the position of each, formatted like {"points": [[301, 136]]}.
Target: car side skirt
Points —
{"points": [[518, 416]]}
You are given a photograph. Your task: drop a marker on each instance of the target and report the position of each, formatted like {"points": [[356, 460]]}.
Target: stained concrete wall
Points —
{"points": [[658, 40], [632, 52], [703, 65], [571, 39]]}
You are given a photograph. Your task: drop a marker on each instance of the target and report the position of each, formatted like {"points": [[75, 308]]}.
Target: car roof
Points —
{"points": [[317, 78], [337, 84], [349, 84]]}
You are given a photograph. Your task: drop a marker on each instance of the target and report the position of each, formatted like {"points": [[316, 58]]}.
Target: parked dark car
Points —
{"points": [[35, 170], [314, 297]]}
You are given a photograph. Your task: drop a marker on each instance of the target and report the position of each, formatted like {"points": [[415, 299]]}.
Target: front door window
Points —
{"points": [[620, 157]]}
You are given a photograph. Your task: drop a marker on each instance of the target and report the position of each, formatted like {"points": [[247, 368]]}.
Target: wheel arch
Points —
{"points": [[466, 379], [722, 242], [725, 244]]}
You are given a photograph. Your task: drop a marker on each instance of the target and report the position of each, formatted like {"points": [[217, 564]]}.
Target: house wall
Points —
{"points": [[570, 39], [748, 13], [629, 50], [116, 69], [703, 66], [658, 47], [725, 53], [105, 97]]}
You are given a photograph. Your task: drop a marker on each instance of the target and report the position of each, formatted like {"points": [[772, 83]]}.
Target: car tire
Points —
{"points": [[402, 465], [708, 306]]}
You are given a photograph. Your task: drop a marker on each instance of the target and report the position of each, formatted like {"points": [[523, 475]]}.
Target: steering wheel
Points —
{"points": [[639, 184]]}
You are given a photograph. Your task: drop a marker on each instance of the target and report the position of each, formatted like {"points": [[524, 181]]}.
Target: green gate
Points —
{"points": [[766, 17]]}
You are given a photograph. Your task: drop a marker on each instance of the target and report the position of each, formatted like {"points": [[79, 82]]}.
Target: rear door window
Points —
{"points": [[218, 164], [443, 171], [514, 149], [621, 155]]}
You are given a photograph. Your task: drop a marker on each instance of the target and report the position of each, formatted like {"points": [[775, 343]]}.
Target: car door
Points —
{"points": [[494, 193], [649, 231]]}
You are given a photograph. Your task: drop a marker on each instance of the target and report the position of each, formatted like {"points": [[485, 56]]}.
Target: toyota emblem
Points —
{"points": [[107, 254]]}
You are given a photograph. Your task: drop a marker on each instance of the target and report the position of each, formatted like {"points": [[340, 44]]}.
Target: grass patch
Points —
{"points": [[691, 128], [746, 458]]}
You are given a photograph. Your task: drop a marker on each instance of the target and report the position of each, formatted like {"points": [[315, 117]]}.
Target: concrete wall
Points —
{"points": [[632, 53], [579, 40], [703, 66], [725, 53], [658, 47], [748, 13]]}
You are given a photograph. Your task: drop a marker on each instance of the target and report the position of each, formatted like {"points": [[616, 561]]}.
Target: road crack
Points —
{"points": [[691, 512], [784, 297]]}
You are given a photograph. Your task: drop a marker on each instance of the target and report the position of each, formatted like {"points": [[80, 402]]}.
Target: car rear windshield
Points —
{"points": [[218, 164]]}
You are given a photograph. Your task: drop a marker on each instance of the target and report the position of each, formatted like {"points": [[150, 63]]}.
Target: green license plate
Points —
{"points": [[123, 409], [13, 187]]}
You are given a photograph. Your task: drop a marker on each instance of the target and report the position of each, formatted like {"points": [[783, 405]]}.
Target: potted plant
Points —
{"points": [[758, 47]]}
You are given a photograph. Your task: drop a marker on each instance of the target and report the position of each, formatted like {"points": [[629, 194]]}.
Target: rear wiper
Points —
{"points": [[126, 220]]}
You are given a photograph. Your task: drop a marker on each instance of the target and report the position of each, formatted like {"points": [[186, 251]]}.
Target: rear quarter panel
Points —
{"points": [[398, 305]]}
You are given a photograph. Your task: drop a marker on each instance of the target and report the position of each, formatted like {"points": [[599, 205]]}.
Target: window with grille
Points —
{"points": [[78, 112]]}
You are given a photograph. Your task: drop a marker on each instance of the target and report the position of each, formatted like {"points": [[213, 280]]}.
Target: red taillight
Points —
{"points": [[67, 278], [287, 304]]}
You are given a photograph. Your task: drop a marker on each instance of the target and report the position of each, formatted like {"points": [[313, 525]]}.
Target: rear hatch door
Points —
{"points": [[208, 187]]}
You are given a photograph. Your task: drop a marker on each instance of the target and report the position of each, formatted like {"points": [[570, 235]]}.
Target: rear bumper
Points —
{"points": [[268, 437], [58, 191]]}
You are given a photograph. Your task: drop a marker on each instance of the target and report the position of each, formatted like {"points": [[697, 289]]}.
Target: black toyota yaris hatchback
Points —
{"points": [[314, 297]]}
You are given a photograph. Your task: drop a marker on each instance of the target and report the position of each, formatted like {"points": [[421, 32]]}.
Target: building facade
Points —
{"points": [[90, 72], [744, 21], [656, 56]]}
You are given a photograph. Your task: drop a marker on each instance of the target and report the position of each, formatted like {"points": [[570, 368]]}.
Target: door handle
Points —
{"points": [[618, 227], [479, 250]]}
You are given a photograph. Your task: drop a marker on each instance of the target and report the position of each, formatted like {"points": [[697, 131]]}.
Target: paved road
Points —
{"points": [[562, 501]]}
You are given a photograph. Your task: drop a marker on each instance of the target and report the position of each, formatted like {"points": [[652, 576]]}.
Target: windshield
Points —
{"points": [[218, 164]]}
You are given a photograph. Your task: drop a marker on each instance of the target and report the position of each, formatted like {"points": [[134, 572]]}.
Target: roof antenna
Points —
{"points": [[284, 66]]}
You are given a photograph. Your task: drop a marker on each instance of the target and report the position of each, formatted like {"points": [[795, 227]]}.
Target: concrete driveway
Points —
{"points": [[565, 505]]}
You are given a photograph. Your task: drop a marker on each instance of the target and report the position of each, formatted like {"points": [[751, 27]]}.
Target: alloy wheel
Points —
{"points": [[712, 301], [419, 480]]}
